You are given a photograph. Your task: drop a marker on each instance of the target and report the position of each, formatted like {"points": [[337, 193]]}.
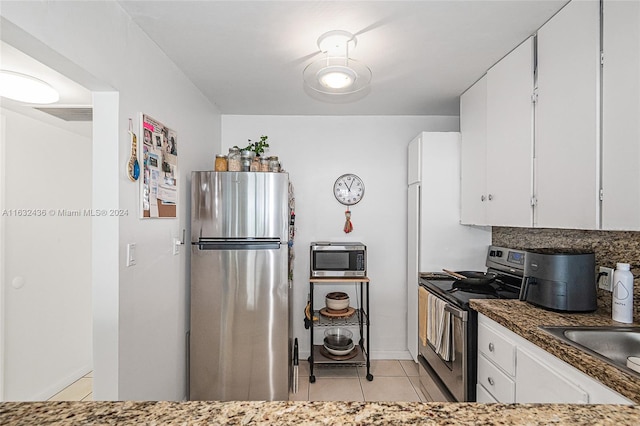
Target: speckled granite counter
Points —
{"points": [[310, 413], [524, 319]]}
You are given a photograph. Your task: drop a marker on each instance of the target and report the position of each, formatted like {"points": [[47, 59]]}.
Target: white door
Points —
{"points": [[46, 276], [567, 116], [510, 139], [413, 247], [473, 129], [621, 109], [414, 162], [539, 383]]}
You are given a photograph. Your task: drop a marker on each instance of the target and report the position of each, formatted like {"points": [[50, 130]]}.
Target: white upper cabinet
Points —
{"points": [[572, 158], [621, 116], [496, 122], [567, 116], [510, 138], [473, 130]]}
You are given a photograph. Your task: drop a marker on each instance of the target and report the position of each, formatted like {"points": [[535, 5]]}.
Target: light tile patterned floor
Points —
{"points": [[80, 390], [393, 380]]}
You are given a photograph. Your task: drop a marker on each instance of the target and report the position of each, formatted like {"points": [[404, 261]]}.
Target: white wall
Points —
{"points": [[47, 264], [315, 151], [143, 310]]}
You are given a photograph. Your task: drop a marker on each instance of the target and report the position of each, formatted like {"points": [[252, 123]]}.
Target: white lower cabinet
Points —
{"points": [[497, 348], [512, 369], [483, 395], [539, 383], [495, 381]]}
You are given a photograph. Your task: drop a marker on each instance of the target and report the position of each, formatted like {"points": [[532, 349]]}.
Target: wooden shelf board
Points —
{"points": [[318, 358]]}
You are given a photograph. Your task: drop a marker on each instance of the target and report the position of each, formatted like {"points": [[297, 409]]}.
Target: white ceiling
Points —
{"points": [[247, 57]]}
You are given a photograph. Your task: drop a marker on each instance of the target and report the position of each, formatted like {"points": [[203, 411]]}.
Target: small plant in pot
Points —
{"points": [[259, 146]]}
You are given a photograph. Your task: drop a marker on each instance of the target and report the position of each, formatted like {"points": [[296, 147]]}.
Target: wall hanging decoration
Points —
{"points": [[159, 186], [348, 190], [133, 167]]}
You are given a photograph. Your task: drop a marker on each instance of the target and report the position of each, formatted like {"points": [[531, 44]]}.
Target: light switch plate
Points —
{"points": [[176, 246], [131, 254], [605, 278]]}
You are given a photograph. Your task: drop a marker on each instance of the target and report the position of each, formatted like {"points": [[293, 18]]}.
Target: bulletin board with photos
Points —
{"points": [[159, 190]]}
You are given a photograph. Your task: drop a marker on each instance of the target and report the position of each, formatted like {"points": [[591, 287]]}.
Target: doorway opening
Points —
{"points": [[46, 237]]}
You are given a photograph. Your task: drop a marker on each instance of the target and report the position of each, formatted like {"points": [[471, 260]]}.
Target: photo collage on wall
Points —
{"points": [[160, 161]]}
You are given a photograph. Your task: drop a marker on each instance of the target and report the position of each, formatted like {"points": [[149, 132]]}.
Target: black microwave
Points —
{"points": [[338, 259]]}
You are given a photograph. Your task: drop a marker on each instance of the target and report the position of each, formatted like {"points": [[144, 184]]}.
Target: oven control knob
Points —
{"points": [[491, 347], [499, 253], [492, 253]]}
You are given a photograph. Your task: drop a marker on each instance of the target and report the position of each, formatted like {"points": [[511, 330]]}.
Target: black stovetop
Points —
{"points": [[448, 288]]}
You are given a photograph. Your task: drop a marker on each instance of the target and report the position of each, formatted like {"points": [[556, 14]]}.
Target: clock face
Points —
{"points": [[348, 189]]}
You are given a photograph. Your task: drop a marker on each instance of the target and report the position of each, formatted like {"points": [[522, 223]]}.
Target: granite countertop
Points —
{"points": [[310, 413], [524, 319]]}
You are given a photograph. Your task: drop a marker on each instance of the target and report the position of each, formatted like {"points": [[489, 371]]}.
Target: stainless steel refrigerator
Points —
{"points": [[240, 345]]}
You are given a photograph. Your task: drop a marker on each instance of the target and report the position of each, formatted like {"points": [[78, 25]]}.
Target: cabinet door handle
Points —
{"points": [[491, 381], [491, 347], [482, 198]]}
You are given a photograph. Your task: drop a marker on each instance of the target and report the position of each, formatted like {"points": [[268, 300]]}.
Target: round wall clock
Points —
{"points": [[348, 189]]}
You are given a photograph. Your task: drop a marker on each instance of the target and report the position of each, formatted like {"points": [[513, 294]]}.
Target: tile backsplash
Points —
{"points": [[610, 247]]}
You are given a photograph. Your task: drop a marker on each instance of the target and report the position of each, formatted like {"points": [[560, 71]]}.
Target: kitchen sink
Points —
{"points": [[610, 344]]}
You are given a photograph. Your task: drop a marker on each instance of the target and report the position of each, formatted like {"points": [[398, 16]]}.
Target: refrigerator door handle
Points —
{"points": [[238, 243]]}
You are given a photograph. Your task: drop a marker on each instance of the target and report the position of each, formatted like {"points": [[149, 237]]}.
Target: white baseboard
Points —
{"points": [[60, 384]]}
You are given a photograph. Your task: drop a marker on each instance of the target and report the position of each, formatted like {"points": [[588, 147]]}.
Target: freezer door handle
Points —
{"points": [[238, 243]]}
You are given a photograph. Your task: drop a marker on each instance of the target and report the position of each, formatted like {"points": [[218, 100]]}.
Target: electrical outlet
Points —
{"points": [[605, 278]]}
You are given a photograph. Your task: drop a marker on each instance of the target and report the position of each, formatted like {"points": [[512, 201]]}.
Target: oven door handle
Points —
{"points": [[458, 313]]}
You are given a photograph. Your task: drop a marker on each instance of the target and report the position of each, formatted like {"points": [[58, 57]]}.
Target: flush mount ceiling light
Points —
{"points": [[24, 88], [337, 73]]}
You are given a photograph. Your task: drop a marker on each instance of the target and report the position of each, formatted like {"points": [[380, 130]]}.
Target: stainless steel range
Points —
{"points": [[448, 328]]}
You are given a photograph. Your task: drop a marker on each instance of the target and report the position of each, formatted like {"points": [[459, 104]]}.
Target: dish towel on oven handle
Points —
{"points": [[439, 328], [423, 304]]}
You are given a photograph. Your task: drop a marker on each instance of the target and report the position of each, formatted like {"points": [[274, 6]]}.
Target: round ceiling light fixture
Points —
{"points": [[25, 88], [336, 77], [337, 73]]}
